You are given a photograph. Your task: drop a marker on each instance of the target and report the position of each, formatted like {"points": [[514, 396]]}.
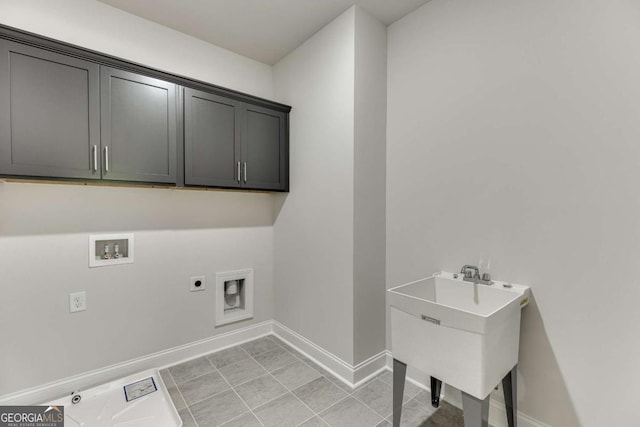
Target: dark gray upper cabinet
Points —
{"points": [[138, 127], [49, 114], [234, 144], [264, 149], [211, 140], [72, 113]]}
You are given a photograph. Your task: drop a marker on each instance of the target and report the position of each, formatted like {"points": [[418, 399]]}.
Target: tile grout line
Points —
{"points": [[299, 400], [331, 406], [324, 374], [262, 352], [369, 407], [217, 370], [299, 357], [183, 399], [271, 400], [278, 367], [252, 379], [390, 417], [242, 400], [421, 390], [306, 419], [208, 397], [349, 394], [312, 417], [237, 417], [360, 401], [206, 357], [291, 391]]}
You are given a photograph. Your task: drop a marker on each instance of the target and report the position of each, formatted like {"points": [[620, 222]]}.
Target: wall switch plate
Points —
{"points": [[77, 302], [197, 283]]}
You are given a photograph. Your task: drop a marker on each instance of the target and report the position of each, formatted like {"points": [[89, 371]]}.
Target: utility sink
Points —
{"points": [[462, 333]]}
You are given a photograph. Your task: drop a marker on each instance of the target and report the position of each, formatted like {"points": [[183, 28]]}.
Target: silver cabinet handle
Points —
{"points": [[238, 171], [245, 172], [106, 159], [95, 158]]}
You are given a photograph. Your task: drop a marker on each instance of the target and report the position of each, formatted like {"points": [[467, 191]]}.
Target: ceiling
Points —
{"points": [[265, 30]]}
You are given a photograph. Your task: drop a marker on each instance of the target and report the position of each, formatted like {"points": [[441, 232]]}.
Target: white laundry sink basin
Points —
{"points": [[465, 334]]}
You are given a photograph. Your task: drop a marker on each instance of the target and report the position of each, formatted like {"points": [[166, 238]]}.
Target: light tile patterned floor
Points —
{"points": [[266, 383]]}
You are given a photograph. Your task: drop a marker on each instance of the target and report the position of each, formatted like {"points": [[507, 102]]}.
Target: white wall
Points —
{"points": [[97, 26], [313, 246], [330, 230], [132, 310], [513, 134], [369, 185]]}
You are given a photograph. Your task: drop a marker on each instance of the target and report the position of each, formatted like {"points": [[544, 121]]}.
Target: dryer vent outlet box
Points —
{"points": [[234, 296]]}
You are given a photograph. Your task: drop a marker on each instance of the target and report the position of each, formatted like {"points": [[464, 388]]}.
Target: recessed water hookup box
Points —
{"points": [[110, 249], [234, 296]]}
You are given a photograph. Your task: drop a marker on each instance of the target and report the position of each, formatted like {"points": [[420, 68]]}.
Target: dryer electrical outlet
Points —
{"points": [[197, 283]]}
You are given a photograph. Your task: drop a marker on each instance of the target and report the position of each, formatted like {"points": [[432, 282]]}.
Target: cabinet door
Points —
{"points": [[49, 114], [265, 149], [138, 127], [211, 142]]}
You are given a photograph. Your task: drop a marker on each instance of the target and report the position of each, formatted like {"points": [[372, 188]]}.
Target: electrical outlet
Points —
{"points": [[197, 283], [77, 302]]}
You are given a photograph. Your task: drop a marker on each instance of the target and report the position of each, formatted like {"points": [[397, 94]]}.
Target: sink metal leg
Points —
{"points": [[509, 386], [475, 411], [399, 375], [436, 386]]}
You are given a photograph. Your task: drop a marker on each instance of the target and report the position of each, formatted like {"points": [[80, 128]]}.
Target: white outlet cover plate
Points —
{"points": [[194, 280], [77, 301]]}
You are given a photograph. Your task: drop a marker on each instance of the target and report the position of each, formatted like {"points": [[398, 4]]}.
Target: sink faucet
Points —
{"points": [[468, 270], [472, 274]]}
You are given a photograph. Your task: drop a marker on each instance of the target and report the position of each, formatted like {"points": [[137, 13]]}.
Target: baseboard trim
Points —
{"points": [[498, 417], [369, 368], [159, 360], [497, 411], [411, 373], [351, 375]]}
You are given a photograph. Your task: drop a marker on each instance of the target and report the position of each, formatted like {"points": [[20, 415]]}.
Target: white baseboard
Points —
{"points": [[499, 418], [497, 410], [55, 389], [369, 368], [351, 375]]}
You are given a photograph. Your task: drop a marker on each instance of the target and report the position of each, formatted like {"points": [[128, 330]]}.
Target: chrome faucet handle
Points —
{"points": [[467, 273], [486, 277]]}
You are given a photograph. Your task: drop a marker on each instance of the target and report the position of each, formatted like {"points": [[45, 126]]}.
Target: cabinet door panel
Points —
{"points": [[211, 140], [49, 113], [138, 127], [264, 149]]}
